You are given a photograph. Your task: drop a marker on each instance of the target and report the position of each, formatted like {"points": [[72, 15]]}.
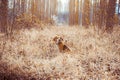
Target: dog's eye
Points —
{"points": [[61, 39]]}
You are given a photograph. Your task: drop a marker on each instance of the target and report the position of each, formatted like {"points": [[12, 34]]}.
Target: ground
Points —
{"points": [[31, 54]]}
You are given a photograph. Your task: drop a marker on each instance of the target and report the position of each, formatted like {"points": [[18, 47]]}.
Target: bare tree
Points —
{"points": [[110, 15], [102, 13], [76, 10], [71, 12], [119, 7], [3, 15], [80, 11], [86, 13]]}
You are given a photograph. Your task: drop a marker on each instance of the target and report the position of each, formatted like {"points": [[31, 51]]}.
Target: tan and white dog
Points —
{"points": [[62, 47]]}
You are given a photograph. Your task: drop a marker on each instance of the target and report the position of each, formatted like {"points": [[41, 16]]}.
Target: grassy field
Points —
{"points": [[31, 54]]}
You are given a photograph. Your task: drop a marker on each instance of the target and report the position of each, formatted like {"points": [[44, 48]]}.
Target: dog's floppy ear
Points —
{"points": [[55, 38]]}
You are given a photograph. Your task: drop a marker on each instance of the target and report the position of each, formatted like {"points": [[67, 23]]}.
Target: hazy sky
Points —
{"points": [[117, 1], [63, 5]]}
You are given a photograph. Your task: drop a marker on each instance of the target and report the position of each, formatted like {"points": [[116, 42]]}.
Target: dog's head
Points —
{"points": [[58, 39]]}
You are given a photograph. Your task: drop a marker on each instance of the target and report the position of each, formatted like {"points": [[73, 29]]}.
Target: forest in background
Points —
{"points": [[100, 13]]}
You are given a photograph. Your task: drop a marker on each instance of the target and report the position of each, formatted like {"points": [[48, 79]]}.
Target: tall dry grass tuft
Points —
{"points": [[31, 54]]}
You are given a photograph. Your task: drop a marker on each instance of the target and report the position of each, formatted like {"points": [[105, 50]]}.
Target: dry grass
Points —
{"points": [[32, 55]]}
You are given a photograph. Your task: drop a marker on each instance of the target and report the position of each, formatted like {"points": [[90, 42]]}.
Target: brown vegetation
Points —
{"points": [[32, 55], [29, 21]]}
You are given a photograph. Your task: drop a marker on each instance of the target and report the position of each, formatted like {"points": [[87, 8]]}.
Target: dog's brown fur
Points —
{"points": [[62, 47]]}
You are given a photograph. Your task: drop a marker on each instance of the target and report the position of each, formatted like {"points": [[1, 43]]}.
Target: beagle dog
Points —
{"points": [[62, 47]]}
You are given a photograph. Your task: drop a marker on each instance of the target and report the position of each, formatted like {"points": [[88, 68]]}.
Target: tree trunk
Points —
{"points": [[3, 15], [71, 12], [76, 12], [119, 7], [102, 13], [110, 15], [86, 13], [23, 6]]}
